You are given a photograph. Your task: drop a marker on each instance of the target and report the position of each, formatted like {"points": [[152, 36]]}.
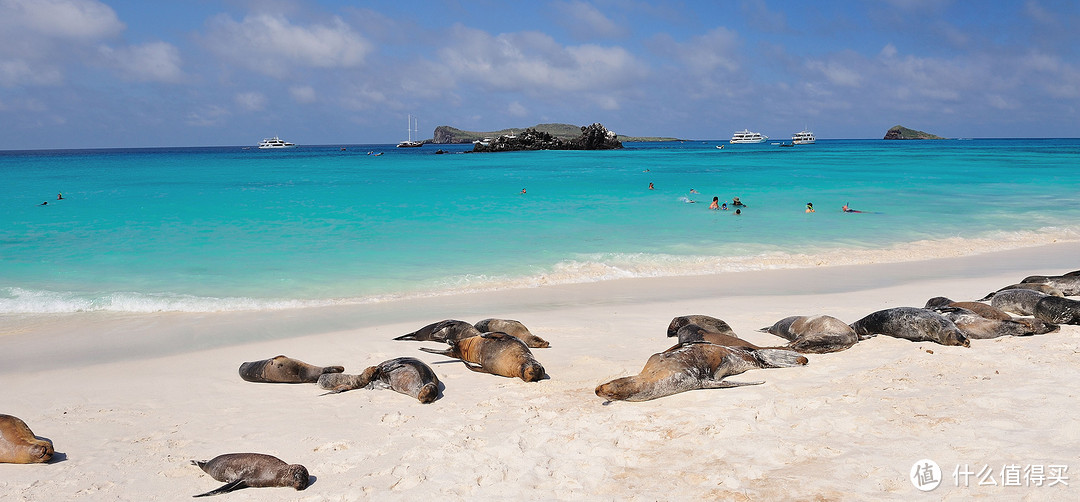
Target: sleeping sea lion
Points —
{"points": [[1017, 301], [254, 470], [283, 369], [512, 328], [987, 311], [407, 375], [19, 445], [1058, 310], [694, 365], [1069, 285], [442, 331], [975, 326], [495, 353], [1042, 288], [709, 323], [915, 324], [818, 334]]}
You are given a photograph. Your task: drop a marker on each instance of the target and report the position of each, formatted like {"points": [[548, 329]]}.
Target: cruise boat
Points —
{"points": [[745, 136], [409, 143], [275, 142], [805, 137]]}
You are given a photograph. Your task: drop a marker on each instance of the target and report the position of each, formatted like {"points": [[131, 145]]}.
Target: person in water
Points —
{"points": [[848, 209], [523, 191], [738, 212], [60, 196], [809, 207], [736, 202], [651, 187], [724, 206], [715, 203]]}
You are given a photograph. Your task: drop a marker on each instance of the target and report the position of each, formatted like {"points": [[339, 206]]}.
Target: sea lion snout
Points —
{"points": [[532, 372], [428, 393], [300, 477]]}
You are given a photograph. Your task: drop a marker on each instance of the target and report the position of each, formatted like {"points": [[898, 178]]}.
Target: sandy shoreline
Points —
{"points": [[130, 399]]}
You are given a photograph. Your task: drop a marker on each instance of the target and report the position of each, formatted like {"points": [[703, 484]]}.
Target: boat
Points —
{"points": [[275, 142], [746, 136], [804, 137], [409, 143]]}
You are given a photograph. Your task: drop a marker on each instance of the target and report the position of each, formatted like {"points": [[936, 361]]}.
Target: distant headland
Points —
{"points": [[901, 132], [446, 135], [592, 137]]}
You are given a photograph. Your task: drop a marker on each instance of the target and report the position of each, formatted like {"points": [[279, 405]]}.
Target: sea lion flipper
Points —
{"points": [[724, 384], [410, 336], [779, 358], [226, 488], [475, 367], [439, 352]]}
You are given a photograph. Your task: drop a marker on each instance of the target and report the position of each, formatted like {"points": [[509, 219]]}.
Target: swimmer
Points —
{"points": [[736, 202], [46, 203], [849, 210], [715, 203], [59, 196], [723, 206], [651, 187], [522, 191], [809, 207], [693, 191], [738, 212]]}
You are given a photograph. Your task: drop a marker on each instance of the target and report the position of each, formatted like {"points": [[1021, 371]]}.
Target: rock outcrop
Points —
{"points": [[593, 137], [901, 132]]}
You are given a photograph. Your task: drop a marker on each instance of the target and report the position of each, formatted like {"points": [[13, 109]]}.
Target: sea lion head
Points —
{"points": [[298, 477], [428, 392], [955, 337], [41, 452], [618, 389], [532, 371]]}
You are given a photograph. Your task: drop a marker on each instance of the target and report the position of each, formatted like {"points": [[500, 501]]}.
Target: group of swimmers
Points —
{"points": [[59, 196]]}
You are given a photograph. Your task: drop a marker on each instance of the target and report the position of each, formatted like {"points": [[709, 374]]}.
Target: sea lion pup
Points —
{"points": [[442, 331], [407, 375], [1069, 285], [254, 470], [283, 369], [975, 326], [987, 311], [709, 323], [495, 353], [694, 365], [911, 323], [18, 445], [1017, 301], [817, 334], [512, 328], [1042, 288], [1058, 310]]}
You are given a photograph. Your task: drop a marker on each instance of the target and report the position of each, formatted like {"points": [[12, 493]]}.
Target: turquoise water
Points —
{"points": [[234, 228]]}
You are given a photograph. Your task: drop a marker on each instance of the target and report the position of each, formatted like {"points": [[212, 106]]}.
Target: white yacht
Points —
{"points": [[804, 137], [409, 143], [275, 142], [745, 136]]}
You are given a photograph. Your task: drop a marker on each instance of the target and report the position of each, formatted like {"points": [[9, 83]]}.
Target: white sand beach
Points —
{"points": [[129, 399]]}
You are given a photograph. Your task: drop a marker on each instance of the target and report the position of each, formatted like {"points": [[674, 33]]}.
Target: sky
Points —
{"points": [[154, 73]]}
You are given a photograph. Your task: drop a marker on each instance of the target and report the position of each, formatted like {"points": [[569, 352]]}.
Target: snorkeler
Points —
{"points": [[809, 207]]}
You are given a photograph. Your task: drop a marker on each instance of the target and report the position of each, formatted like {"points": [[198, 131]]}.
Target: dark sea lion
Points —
{"points": [[283, 369], [495, 353], [19, 445], [710, 323], [442, 331], [987, 311], [252, 470], [975, 326], [818, 334], [694, 365], [695, 333], [1017, 301], [512, 328], [1058, 310], [407, 375], [1042, 288], [911, 323], [1069, 285]]}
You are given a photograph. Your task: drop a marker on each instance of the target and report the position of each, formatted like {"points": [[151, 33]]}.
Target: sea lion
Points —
{"points": [[1042, 288], [495, 353], [911, 323], [710, 323], [695, 333], [987, 311], [975, 326], [694, 365], [442, 331], [512, 328], [19, 445], [283, 369], [1058, 310], [407, 375], [1069, 285], [254, 470], [1017, 301], [818, 334]]}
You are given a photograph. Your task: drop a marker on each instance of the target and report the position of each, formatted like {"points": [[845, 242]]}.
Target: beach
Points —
{"points": [[129, 399]]}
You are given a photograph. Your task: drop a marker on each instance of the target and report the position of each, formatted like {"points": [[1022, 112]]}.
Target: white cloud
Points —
{"points": [[251, 101], [836, 72], [303, 93], [584, 21], [71, 19], [517, 109], [155, 61], [18, 72]]}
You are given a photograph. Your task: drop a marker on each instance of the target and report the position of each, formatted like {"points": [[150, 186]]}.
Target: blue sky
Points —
{"points": [[130, 73]]}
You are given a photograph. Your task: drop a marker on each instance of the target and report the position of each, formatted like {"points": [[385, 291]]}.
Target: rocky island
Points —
{"points": [[446, 135], [901, 132], [592, 137]]}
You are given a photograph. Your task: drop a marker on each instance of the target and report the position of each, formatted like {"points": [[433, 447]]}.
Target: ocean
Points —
{"points": [[238, 228]]}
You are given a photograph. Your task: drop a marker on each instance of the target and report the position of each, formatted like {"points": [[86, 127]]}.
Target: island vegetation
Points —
{"points": [[901, 132], [567, 132]]}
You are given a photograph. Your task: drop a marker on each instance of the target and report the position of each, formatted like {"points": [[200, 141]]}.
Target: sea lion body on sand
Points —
{"points": [[694, 365], [1017, 301], [695, 333], [282, 369], [512, 328], [442, 331], [254, 470], [1069, 285], [710, 323], [1042, 288], [495, 353], [975, 326], [982, 309], [1058, 310], [407, 375], [818, 334], [18, 445], [911, 323]]}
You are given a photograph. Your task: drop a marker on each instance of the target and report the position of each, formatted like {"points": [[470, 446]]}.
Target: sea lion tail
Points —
{"points": [[724, 384], [779, 358], [226, 488]]}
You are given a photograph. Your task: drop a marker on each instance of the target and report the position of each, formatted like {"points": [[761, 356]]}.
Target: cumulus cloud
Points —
{"points": [[517, 109], [71, 19], [303, 93], [17, 72], [272, 45], [251, 101], [155, 61], [584, 21]]}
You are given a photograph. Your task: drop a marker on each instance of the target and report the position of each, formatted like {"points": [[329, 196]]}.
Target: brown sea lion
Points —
{"points": [[1058, 310], [694, 365], [442, 331], [407, 375], [818, 334], [911, 323], [1042, 288], [975, 326], [695, 333], [512, 328], [710, 323], [987, 311], [1017, 301], [1069, 285], [19, 445], [252, 470], [283, 369], [495, 353]]}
